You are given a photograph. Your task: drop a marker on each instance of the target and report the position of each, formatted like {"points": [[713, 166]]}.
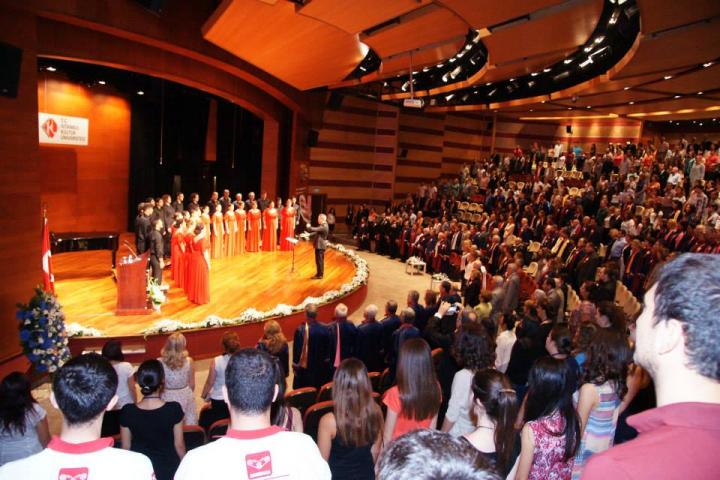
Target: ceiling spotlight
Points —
{"points": [[586, 62], [588, 106], [468, 47], [534, 74], [101, 82], [667, 77], [569, 108], [631, 103], [385, 84], [531, 83], [449, 97], [452, 60], [542, 101], [140, 92], [700, 93], [445, 77], [492, 92], [532, 110], [705, 65], [587, 49], [50, 69], [626, 88], [439, 65], [460, 54], [567, 61], [700, 124], [614, 17], [677, 96], [363, 68], [426, 69], [456, 72], [598, 40], [694, 121], [405, 86], [546, 70], [488, 84], [561, 76]]}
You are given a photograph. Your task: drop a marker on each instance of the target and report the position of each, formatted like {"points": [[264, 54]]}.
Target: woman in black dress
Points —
{"points": [[350, 437], [152, 426], [274, 342]]}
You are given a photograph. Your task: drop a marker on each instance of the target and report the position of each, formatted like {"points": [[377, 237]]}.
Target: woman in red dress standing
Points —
{"points": [[287, 225], [187, 240], [240, 221], [269, 243], [253, 237], [218, 232], [199, 268], [177, 252], [230, 231]]}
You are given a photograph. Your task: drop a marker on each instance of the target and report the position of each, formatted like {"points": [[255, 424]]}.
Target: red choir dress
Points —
{"points": [[218, 233], [287, 227], [187, 255], [177, 257], [269, 242], [240, 219], [230, 231], [253, 236], [199, 272]]}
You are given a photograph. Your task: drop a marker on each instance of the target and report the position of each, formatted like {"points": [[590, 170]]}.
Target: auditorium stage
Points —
{"points": [[261, 281]]}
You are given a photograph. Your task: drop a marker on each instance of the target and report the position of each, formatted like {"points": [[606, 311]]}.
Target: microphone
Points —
{"points": [[127, 244]]}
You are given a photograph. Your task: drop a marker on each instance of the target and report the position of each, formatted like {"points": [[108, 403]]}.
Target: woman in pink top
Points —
{"points": [[414, 402]]}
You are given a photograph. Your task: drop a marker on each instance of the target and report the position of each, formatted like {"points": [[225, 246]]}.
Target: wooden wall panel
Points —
{"points": [[19, 184], [91, 188], [354, 160]]}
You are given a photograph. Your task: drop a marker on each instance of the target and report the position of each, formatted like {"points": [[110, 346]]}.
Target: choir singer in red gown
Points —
{"points": [[287, 225], [270, 215], [198, 280], [253, 236]]}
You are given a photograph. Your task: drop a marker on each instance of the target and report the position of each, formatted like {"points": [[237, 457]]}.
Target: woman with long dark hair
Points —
{"points": [[551, 434], [282, 414], [23, 422], [414, 402], [350, 437], [274, 342], [112, 351], [212, 390], [473, 350], [496, 406], [153, 426], [600, 398]]}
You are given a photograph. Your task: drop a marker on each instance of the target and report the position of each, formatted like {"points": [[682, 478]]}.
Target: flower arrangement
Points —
{"points": [[42, 331], [155, 294], [414, 261], [440, 277]]}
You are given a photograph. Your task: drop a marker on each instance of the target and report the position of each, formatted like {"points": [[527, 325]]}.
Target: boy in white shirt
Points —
{"points": [[253, 448], [83, 389]]}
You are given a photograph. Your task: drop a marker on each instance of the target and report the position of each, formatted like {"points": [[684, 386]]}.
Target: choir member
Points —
{"points": [[287, 225], [230, 231], [240, 222], [199, 268], [190, 224], [270, 221], [225, 200], [167, 212], [142, 227], [238, 203], [218, 232], [194, 203], [178, 203], [253, 236], [205, 219], [156, 250], [177, 252]]}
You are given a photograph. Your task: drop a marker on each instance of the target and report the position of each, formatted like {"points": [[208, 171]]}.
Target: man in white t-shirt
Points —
{"points": [[83, 389], [253, 448]]}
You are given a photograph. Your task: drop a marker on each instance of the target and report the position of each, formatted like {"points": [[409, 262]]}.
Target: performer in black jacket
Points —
{"points": [[156, 250], [142, 228], [321, 234]]}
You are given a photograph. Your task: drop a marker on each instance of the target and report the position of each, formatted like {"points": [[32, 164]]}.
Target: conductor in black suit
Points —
{"points": [[321, 234]]}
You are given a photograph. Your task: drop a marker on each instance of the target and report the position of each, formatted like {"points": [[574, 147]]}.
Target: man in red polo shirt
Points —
{"points": [[678, 342]]}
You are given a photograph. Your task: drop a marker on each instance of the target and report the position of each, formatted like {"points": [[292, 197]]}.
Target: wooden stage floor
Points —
{"points": [[262, 280]]}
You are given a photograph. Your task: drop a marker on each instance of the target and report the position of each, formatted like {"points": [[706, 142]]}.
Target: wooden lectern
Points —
{"points": [[132, 285]]}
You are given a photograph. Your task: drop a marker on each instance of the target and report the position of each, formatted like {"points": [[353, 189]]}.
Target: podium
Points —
{"points": [[132, 285]]}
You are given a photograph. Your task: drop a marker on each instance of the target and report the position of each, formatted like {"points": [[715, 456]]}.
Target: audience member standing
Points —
{"points": [[253, 448], [212, 390], [495, 405], [311, 351], [405, 332], [551, 434], [390, 323], [414, 402], [179, 376], [343, 337], [678, 343], [274, 342], [154, 427], [112, 351], [369, 340], [350, 437], [83, 389], [23, 422]]}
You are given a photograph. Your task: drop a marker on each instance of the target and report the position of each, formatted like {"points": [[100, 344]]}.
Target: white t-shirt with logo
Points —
{"points": [[95, 460], [263, 454]]}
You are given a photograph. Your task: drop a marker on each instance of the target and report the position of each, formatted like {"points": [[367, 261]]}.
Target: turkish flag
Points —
{"points": [[48, 279]]}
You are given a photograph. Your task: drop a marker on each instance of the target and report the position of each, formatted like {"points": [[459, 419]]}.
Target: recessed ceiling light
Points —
{"points": [[700, 124], [511, 80], [708, 64], [631, 103], [677, 96], [534, 74], [569, 108], [426, 69], [439, 65], [532, 110], [546, 70], [543, 101], [449, 97], [667, 77], [626, 88], [140, 92], [599, 40], [700, 93], [468, 47], [587, 49], [50, 69], [101, 82], [567, 60], [588, 106], [488, 84], [452, 60]]}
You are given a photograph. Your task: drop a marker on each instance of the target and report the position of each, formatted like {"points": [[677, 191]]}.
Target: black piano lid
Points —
{"points": [[57, 237]]}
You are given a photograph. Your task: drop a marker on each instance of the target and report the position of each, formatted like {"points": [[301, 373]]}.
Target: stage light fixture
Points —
{"points": [[586, 62], [667, 77], [534, 74], [101, 82], [488, 84], [426, 69], [700, 124], [677, 96], [708, 64], [468, 47], [140, 92], [626, 88], [452, 60], [439, 65], [546, 70], [531, 83], [492, 92], [599, 40], [588, 106], [542, 101], [449, 97], [456, 72], [445, 78], [614, 17], [561, 76], [587, 49], [405, 86], [50, 68], [363, 68], [631, 103], [569, 108], [700, 93], [567, 61]]}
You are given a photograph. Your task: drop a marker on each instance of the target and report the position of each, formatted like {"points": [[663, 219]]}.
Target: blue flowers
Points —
{"points": [[41, 325]]}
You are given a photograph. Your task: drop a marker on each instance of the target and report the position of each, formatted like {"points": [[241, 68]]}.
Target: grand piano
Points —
{"points": [[81, 241]]}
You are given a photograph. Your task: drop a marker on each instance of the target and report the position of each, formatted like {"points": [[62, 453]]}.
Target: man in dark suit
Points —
{"points": [[212, 203], [390, 323], [405, 331], [156, 250], [370, 341], [225, 200], [177, 205], [321, 234], [587, 266], [311, 351], [264, 201], [142, 228], [250, 200], [168, 218], [343, 337], [413, 301], [431, 306]]}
